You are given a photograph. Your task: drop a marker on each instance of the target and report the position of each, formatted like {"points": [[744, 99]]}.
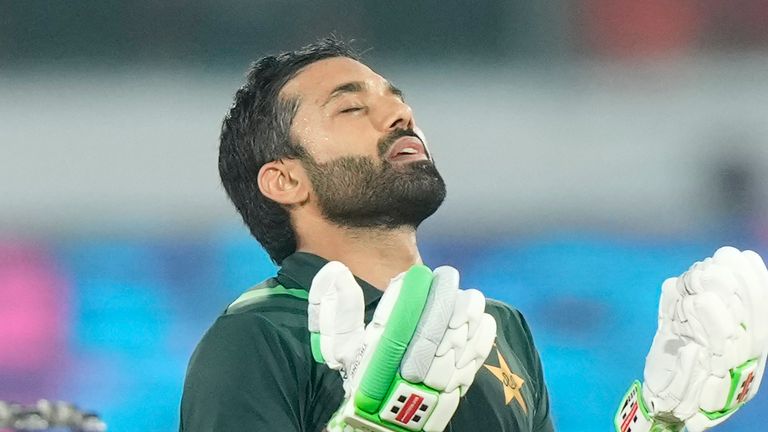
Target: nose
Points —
{"points": [[397, 115]]}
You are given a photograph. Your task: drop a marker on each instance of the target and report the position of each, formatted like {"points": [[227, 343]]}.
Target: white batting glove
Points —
{"points": [[709, 353], [407, 369]]}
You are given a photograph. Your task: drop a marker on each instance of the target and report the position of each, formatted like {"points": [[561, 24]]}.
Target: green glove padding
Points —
{"points": [[385, 361]]}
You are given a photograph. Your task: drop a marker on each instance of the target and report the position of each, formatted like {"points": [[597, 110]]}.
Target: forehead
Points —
{"points": [[317, 80]]}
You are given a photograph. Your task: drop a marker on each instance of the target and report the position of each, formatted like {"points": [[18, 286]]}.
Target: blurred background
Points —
{"points": [[591, 149]]}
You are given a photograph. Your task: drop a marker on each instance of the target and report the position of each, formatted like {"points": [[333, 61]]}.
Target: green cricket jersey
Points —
{"points": [[253, 370]]}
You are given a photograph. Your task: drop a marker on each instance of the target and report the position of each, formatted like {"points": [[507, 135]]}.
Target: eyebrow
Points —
{"points": [[358, 87]]}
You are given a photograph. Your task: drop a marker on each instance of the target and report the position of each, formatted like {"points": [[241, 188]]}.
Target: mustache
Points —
{"points": [[386, 142]]}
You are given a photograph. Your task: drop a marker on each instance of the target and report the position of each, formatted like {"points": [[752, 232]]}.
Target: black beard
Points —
{"points": [[356, 192]]}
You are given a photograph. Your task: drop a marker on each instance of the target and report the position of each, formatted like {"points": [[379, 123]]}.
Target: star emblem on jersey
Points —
{"points": [[512, 384]]}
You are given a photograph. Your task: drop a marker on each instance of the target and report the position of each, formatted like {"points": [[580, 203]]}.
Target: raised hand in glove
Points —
{"points": [[407, 369], [709, 353]]}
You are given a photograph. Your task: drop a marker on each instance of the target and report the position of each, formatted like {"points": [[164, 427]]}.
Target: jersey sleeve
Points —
{"points": [[243, 376], [542, 421], [519, 333]]}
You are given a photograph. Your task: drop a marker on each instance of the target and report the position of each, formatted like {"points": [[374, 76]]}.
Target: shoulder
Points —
{"points": [[269, 296], [267, 321], [241, 339], [507, 317], [512, 327], [247, 364], [270, 306], [260, 341]]}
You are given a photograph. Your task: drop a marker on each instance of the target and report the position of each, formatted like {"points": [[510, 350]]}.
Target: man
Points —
{"points": [[324, 161]]}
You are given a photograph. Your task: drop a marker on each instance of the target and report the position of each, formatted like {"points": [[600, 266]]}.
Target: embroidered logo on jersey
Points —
{"points": [[512, 384]]}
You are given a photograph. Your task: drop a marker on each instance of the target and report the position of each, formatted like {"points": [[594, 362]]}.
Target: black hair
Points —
{"points": [[256, 130]]}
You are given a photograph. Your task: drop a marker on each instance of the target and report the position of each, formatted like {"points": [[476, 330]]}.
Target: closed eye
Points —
{"points": [[352, 109]]}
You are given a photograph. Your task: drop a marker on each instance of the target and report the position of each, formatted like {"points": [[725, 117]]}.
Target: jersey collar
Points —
{"points": [[298, 270]]}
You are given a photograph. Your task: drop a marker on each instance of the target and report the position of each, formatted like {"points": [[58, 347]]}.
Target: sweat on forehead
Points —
{"points": [[319, 81]]}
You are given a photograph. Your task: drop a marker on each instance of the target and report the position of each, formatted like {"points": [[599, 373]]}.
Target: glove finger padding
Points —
{"points": [[751, 275], [418, 355], [760, 300], [466, 340], [674, 372], [467, 343], [336, 314], [736, 379], [432, 326], [752, 287], [384, 360], [708, 355], [686, 347]]}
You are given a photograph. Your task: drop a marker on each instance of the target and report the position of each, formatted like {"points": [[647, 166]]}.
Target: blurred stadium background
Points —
{"points": [[591, 148]]}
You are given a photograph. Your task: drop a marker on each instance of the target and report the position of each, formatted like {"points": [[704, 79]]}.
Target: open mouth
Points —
{"points": [[407, 149]]}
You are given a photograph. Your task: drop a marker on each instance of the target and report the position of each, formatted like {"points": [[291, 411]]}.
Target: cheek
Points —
{"points": [[329, 143], [353, 136], [310, 133]]}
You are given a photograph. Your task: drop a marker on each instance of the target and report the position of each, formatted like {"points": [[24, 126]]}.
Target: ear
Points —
{"points": [[284, 181]]}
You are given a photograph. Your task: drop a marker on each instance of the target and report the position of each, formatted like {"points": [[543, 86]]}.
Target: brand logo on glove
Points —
{"points": [[745, 386], [629, 412], [408, 411], [356, 362]]}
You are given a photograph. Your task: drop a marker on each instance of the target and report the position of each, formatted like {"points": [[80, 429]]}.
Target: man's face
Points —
{"points": [[367, 163]]}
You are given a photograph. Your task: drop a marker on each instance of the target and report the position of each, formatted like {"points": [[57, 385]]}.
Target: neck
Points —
{"points": [[374, 255]]}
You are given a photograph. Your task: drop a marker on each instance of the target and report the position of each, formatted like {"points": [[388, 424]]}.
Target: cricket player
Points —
{"points": [[325, 163]]}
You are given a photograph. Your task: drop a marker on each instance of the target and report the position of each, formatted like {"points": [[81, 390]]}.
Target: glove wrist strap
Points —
{"points": [[633, 415], [407, 407], [742, 378]]}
